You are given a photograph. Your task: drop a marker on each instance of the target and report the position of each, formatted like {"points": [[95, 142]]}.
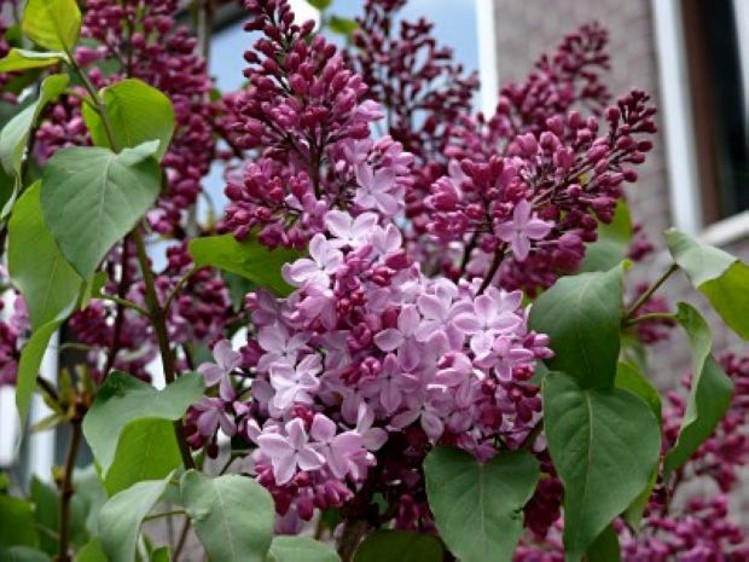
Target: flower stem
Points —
{"points": [[645, 297], [496, 262], [67, 490]]}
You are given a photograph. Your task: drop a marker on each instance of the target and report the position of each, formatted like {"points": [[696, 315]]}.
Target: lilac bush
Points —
{"points": [[410, 330]]}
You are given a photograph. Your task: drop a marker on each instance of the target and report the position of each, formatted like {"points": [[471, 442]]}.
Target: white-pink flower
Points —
{"points": [[349, 231], [323, 262], [375, 189], [289, 452], [524, 227]]}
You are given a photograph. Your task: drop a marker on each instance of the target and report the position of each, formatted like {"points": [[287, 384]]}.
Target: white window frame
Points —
{"points": [[676, 107]]}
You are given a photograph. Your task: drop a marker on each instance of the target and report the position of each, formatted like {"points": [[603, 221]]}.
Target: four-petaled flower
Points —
{"points": [[523, 228], [325, 260], [227, 360], [287, 452], [374, 189]]}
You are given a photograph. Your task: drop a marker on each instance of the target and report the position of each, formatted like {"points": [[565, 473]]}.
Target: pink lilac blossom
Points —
{"points": [[305, 114], [353, 361]]}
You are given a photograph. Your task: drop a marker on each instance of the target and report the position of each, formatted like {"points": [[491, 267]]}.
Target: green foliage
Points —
{"points": [[710, 394], [48, 283], [605, 548], [28, 366], [612, 245], [218, 508], [582, 316], [342, 26], [399, 545], [137, 112], [300, 549], [121, 517], [320, 4], [22, 59], [249, 259], [15, 135], [123, 399], [92, 197], [472, 500], [52, 24], [147, 449], [589, 433], [92, 552], [630, 377], [722, 278], [24, 554], [17, 526]]}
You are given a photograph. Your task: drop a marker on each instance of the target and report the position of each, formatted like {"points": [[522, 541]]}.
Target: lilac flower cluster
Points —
{"points": [[423, 91], [368, 353], [141, 39], [304, 112]]}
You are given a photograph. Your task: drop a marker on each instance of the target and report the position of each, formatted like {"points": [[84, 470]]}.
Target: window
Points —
{"points": [[712, 37]]}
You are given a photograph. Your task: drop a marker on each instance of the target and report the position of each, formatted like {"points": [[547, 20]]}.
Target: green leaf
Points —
{"points": [[320, 4], [28, 366], [605, 548], [52, 24], [160, 555], [581, 315], [710, 394], [92, 197], [123, 399], [612, 245], [89, 497], [17, 526], [21, 59], [138, 113], [92, 552], [718, 275], [630, 377], [342, 26], [9, 190], [301, 549], [46, 501], [15, 135], [605, 445], [399, 545], [248, 259], [23, 554], [478, 506], [120, 518], [49, 285], [146, 450], [218, 509]]}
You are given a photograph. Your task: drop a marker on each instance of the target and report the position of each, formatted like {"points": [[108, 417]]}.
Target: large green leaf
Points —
{"points": [[17, 526], [605, 445], [613, 242], [478, 506], [147, 449], [248, 259], [120, 518], [605, 548], [28, 366], [218, 508], [15, 135], [709, 396], [21, 59], [399, 545], [718, 275], [91, 552], [49, 285], [24, 554], [138, 113], [582, 315], [89, 497], [301, 549], [52, 24], [92, 197], [123, 399], [629, 377]]}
